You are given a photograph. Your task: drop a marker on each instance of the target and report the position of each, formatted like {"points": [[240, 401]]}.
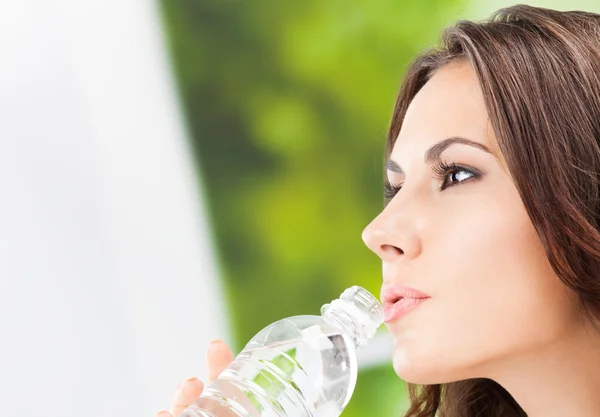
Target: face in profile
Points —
{"points": [[455, 229]]}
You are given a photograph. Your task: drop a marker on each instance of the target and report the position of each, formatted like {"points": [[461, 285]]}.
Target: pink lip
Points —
{"points": [[399, 300]]}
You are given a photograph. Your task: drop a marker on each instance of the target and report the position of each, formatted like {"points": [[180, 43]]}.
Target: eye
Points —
{"points": [[389, 190], [452, 174]]}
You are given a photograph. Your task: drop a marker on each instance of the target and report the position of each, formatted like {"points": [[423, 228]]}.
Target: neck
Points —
{"points": [[561, 379]]}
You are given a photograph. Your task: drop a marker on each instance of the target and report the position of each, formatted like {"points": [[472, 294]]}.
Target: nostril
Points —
{"points": [[391, 250]]}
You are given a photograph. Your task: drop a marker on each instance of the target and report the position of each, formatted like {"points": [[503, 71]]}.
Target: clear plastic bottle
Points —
{"points": [[301, 366]]}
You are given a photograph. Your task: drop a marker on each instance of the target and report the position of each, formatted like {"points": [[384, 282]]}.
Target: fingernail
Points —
{"points": [[163, 413], [186, 381], [215, 341]]}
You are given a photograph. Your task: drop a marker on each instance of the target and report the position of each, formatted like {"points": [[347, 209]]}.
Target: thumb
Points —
{"points": [[218, 356]]}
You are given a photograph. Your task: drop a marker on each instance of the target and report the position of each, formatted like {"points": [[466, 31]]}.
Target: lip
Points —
{"points": [[399, 300]]}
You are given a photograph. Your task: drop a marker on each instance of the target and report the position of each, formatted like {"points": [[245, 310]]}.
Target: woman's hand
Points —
{"points": [[218, 356]]}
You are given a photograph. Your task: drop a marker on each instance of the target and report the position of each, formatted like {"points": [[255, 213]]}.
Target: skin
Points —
{"points": [[497, 310], [218, 356]]}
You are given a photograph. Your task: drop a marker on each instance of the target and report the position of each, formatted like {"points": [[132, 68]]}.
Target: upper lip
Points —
{"points": [[392, 293]]}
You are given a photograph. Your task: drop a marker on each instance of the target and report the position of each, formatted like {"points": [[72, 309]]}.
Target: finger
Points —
{"points": [[186, 394], [218, 356], [163, 413]]}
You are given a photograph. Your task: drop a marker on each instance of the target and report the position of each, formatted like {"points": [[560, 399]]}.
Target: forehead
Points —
{"points": [[449, 104]]}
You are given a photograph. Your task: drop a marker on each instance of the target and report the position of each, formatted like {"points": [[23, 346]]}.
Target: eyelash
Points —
{"points": [[441, 170]]}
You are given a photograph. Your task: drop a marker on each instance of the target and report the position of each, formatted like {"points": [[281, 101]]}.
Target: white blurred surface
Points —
{"points": [[108, 284]]}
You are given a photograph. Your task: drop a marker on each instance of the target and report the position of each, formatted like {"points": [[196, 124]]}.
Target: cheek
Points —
{"points": [[494, 294]]}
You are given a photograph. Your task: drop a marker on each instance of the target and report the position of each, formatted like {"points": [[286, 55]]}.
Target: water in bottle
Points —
{"points": [[301, 366]]}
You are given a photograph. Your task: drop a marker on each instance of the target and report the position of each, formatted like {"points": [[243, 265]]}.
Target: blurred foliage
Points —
{"points": [[287, 105]]}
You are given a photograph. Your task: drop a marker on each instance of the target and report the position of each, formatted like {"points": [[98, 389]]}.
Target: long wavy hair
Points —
{"points": [[539, 71]]}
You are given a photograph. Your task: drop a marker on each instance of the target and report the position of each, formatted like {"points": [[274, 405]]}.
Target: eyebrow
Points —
{"points": [[436, 150]]}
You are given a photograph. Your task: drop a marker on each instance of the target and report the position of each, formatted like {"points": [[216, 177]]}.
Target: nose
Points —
{"points": [[391, 237], [375, 238]]}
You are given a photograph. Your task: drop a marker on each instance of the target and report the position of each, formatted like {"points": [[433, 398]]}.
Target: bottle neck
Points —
{"points": [[357, 313]]}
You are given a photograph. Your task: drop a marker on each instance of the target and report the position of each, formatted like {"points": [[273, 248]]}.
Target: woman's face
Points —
{"points": [[466, 241]]}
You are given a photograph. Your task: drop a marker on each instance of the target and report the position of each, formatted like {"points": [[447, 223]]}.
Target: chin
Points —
{"points": [[413, 372], [423, 372]]}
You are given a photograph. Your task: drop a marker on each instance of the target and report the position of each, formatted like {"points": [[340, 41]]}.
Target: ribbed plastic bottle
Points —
{"points": [[301, 366]]}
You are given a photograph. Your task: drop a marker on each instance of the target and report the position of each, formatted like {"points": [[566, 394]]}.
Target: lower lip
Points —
{"points": [[401, 308]]}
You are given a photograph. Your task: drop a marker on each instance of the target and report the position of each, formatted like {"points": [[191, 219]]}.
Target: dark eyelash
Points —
{"points": [[389, 190], [441, 170]]}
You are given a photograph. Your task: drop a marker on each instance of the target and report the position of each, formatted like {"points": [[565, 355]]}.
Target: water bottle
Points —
{"points": [[301, 366]]}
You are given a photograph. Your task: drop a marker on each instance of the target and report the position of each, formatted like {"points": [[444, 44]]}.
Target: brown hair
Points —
{"points": [[539, 73]]}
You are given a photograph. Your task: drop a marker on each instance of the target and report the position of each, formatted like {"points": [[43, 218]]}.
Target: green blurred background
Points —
{"points": [[287, 105]]}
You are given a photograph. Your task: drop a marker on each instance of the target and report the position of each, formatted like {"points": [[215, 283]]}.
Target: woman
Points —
{"points": [[493, 198]]}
